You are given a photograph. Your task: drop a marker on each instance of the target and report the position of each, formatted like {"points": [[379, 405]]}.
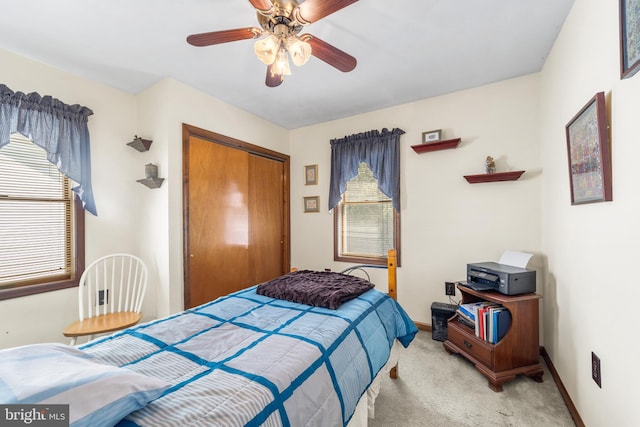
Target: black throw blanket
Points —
{"points": [[317, 288]]}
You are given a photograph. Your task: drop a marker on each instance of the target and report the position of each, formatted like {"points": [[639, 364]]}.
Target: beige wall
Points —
{"points": [[446, 222], [591, 248]]}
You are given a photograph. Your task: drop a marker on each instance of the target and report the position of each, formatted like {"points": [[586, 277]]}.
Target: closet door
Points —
{"points": [[266, 219], [236, 215], [217, 221]]}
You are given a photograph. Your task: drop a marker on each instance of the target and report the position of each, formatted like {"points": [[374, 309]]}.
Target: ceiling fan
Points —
{"points": [[281, 22]]}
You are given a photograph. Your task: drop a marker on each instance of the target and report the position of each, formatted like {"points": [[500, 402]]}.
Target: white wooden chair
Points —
{"points": [[110, 295]]}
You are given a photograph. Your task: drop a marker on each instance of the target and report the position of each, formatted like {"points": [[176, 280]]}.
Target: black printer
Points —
{"points": [[506, 279]]}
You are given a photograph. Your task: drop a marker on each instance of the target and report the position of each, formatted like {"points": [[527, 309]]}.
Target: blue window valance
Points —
{"points": [[60, 129], [380, 150]]}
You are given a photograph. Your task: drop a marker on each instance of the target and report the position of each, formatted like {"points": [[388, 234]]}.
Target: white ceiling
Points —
{"points": [[406, 50]]}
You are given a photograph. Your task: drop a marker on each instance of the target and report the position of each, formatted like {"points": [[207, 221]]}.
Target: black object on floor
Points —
{"points": [[440, 313]]}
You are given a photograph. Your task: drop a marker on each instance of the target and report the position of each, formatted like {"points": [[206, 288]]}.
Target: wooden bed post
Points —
{"points": [[391, 268], [392, 291]]}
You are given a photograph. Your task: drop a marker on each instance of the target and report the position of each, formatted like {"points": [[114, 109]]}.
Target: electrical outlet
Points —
{"points": [[102, 297], [595, 369], [449, 288]]}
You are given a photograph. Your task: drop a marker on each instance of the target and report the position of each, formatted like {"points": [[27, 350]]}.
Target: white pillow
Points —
{"points": [[97, 394]]}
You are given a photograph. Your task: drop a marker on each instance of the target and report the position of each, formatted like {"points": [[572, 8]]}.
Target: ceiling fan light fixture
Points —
{"points": [[299, 50], [267, 49], [280, 22], [281, 64]]}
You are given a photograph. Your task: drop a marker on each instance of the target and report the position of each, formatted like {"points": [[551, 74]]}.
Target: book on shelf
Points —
{"points": [[469, 309], [489, 320], [465, 316], [481, 323], [465, 320], [492, 330], [495, 323], [484, 332], [501, 320]]}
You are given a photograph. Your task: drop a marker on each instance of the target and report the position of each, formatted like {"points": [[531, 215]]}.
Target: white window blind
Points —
{"points": [[366, 225], [35, 216]]}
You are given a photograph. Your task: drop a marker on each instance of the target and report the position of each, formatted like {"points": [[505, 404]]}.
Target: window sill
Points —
{"points": [[23, 291]]}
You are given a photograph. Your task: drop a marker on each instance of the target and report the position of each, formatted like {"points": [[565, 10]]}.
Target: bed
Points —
{"points": [[243, 359]]}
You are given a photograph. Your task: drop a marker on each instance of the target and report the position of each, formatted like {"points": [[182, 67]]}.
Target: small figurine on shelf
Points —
{"points": [[150, 170], [490, 165], [151, 179]]}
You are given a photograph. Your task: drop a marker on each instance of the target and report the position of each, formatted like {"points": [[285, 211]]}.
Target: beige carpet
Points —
{"points": [[435, 388]]}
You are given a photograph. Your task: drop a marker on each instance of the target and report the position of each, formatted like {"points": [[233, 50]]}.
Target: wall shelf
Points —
{"points": [[151, 182], [435, 146], [493, 177], [140, 144]]}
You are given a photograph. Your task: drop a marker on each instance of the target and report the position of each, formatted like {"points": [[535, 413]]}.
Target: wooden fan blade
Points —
{"points": [[217, 37], [330, 54], [273, 80], [263, 6], [312, 10]]}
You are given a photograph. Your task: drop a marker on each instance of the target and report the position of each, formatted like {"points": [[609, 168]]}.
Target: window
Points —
{"points": [[366, 225], [41, 226]]}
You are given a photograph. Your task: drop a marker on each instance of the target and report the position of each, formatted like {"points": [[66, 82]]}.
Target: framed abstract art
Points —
{"points": [[589, 153], [629, 37]]}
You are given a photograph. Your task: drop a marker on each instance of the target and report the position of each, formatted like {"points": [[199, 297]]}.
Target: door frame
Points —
{"points": [[189, 131]]}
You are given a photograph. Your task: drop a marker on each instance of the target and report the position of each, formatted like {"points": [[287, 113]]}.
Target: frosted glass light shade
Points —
{"points": [[281, 64], [267, 49], [300, 51]]}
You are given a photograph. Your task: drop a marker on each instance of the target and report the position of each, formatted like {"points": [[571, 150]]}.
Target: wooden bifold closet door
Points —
{"points": [[236, 215]]}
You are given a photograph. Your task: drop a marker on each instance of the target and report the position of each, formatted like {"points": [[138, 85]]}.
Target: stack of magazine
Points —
{"points": [[489, 320]]}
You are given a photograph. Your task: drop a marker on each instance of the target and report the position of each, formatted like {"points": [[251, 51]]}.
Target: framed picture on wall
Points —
{"points": [[629, 37], [311, 175], [589, 153], [431, 136], [312, 204]]}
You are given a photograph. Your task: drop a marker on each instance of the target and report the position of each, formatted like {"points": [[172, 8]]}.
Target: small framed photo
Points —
{"points": [[311, 175], [589, 154], [629, 37], [312, 204], [431, 136]]}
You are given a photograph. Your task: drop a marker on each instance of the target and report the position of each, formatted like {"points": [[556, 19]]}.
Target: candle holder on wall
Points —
{"points": [[151, 179]]}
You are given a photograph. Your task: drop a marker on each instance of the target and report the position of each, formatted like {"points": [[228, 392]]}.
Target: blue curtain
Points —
{"points": [[380, 150], [60, 129]]}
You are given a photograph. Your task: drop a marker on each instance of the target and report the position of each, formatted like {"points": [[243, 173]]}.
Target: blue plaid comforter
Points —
{"points": [[247, 359]]}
